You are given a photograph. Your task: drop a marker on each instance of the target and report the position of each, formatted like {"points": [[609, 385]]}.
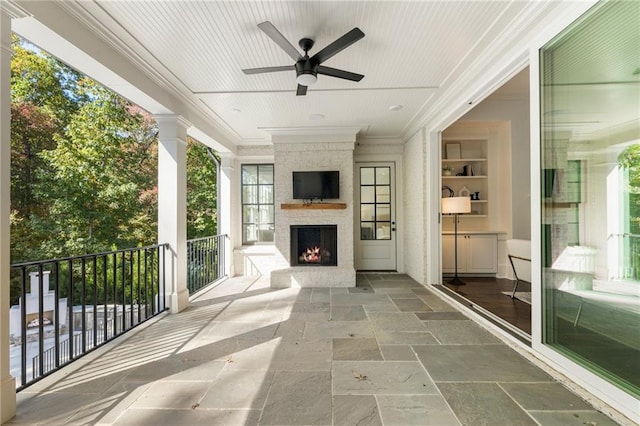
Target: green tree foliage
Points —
{"points": [[84, 178], [100, 188], [629, 159], [40, 103], [41, 80], [84, 166], [201, 191]]}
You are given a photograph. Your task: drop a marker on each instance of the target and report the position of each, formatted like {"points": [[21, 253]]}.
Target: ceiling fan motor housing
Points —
{"points": [[304, 66], [308, 68]]}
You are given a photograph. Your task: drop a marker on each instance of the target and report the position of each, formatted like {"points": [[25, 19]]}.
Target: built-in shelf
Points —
{"points": [[462, 160], [468, 172], [465, 177], [314, 206], [467, 215]]}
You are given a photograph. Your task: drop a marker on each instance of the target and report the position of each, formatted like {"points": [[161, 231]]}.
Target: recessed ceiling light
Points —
{"points": [[235, 110], [395, 107], [316, 117]]}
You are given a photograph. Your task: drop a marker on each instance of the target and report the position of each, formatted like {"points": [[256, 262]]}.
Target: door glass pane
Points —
{"points": [[375, 199], [590, 176], [367, 231], [367, 194], [383, 231], [367, 176], [383, 212], [383, 194], [382, 176], [366, 212]]}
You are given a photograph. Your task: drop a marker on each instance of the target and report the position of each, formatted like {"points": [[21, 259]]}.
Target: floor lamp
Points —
{"points": [[456, 206]]}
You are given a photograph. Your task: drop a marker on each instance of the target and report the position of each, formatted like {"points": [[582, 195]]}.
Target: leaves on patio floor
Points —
{"points": [[359, 376]]}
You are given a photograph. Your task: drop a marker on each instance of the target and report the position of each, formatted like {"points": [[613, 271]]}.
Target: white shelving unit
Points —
{"points": [[473, 154]]}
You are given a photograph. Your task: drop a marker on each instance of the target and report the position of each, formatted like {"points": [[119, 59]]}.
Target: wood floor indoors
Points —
{"points": [[486, 292]]}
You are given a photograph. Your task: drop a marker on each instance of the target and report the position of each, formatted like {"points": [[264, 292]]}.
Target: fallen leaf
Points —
{"points": [[359, 376], [352, 335], [229, 360], [194, 406]]}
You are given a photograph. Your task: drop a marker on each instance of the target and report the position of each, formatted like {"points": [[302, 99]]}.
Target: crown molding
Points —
{"points": [[312, 134], [13, 9]]}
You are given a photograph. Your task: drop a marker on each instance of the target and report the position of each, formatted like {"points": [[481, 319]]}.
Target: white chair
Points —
{"points": [[519, 254]]}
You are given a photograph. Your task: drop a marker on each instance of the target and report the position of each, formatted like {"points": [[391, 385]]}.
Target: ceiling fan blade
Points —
{"points": [[302, 90], [269, 29], [337, 46], [250, 71], [333, 72]]}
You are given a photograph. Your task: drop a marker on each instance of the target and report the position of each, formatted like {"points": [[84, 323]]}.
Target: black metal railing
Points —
{"points": [[76, 304], [205, 261]]}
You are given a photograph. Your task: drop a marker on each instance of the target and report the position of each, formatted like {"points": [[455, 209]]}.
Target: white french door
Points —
{"points": [[375, 217]]}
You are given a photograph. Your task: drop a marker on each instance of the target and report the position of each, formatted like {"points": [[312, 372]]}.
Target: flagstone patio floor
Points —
{"points": [[387, 352]]}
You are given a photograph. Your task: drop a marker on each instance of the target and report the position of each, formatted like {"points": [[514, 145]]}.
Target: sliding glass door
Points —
{"points": [[590, 160]]}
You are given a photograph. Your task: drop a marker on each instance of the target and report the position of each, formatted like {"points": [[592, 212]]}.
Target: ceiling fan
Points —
{"points": [[307, 68]]}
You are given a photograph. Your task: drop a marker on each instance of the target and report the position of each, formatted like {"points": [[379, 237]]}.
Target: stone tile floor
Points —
{"points": [[388, 352]]}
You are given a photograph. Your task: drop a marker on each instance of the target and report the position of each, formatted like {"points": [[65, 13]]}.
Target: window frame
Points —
{"points": [[258, 204]]}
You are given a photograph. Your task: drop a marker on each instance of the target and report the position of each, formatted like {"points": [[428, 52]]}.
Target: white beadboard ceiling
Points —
{"points": [[412, 52], [409, 51]]}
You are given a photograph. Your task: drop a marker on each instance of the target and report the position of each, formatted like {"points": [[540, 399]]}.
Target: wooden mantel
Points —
{"points": [[314, 206]]}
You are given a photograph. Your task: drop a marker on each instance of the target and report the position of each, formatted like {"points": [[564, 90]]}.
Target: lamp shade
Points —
{"points": [[452, 205]]}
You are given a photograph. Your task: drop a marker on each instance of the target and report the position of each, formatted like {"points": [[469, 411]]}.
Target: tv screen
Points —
{"points": [[316, 185]]}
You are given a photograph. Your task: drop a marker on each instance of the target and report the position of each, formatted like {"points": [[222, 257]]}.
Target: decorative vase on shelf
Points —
{"points": [[446, 173], [464, 192]]}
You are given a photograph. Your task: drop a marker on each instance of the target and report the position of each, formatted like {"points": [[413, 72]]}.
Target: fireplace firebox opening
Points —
{"points": [[314, 245]]}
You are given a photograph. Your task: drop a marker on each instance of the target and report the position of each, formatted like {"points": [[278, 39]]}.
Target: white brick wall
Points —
{"points": [[413, 230], [290, 157]]}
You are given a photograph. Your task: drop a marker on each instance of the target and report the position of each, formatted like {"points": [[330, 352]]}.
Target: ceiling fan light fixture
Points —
{"points": [[306, 79], [307, 68]]}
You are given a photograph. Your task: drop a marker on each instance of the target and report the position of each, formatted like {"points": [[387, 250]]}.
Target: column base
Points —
{"points": [[179, 301], [7, 399]]}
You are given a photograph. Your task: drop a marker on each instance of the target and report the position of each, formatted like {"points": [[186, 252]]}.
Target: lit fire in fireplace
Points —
{"points": [[313, 255]]}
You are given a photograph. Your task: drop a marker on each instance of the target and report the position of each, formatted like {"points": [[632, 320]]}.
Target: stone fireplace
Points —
{"points": [[314, 245], [331, 265]]}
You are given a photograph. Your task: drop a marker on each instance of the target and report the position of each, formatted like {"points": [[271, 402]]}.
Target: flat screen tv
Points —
{"points": [[316, 185]]}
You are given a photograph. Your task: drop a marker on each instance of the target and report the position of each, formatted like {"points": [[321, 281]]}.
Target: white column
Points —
{"points": [[7, 383], [172, 205], [225, 203]]}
